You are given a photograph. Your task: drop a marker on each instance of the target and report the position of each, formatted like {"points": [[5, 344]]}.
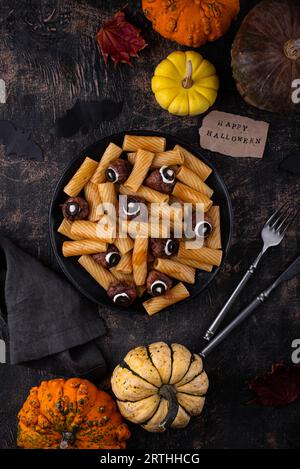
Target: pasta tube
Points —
{"points": [[176, 270], [165, 158], [106, 229], [81, 177], [65, 229], [121, 276], [102, 276], [194, 263], [191, 179], [196, 165], [107, 193], [141, 166], [139, 260], [214, 239], [112, 153], [125, 264], [206, 255], [187, 194], [156, 304], [135, 142], [85, 246], [168, 158], [141, 229], [92, 196], [124, 244], [83, 229], [150, 195]]}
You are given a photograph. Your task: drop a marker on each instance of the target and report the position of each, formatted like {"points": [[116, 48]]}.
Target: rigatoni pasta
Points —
{"points": [[112, 153], [164, 158], [176, 294], [196, 165], [83, 229], [139, 244], [141, 166], [191, 179], [139, 260], [206, 255], [81, 177], [176, 270], [195, 263], [107, 192], [124, 244], [150, 195], [214, 240], [136, 142], [125, 264], [65, 228], [92, 196], [102, 276], [187, 194], [84, 246]]}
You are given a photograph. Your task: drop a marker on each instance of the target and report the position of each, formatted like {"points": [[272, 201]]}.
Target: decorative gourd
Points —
{"points": [[70, 414], [266, 55], [185, 83], [160, 386], [191, 22]]}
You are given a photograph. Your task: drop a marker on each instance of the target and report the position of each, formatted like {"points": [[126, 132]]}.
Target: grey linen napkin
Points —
{"points": [[47, 323]]}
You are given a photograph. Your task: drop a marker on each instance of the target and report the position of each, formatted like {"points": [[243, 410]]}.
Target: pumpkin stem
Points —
{"points": [[67, 440], [292, 49], [187, 82], [168, 392]]}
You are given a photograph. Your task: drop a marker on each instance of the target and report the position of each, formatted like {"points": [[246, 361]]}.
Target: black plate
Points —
{"points": [[78, 276]]}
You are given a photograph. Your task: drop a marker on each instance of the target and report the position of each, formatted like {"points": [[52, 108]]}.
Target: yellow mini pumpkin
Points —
{"points": [[160, 386], [185, 83]]}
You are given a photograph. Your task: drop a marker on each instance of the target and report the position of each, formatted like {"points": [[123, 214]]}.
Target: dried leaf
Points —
{"points": [[277, 388], [119, 39]]}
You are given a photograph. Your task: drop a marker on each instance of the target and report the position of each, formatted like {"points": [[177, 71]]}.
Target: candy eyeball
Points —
{"points": [[112, 175], [171, 247], [130, 206], [122, 293], [108, 259], [203, 229], [158, 283], [164, 247], [118, 171], [167, 175], [161, 180], [122, 299], [112, 258], [158, 288], [75, 208]]}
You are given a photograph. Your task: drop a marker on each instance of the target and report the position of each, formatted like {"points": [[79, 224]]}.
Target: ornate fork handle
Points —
{"points": [[219, 319]]}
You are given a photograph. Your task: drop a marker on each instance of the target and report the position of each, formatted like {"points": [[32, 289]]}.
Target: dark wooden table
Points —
{"points": [[46, 67]]}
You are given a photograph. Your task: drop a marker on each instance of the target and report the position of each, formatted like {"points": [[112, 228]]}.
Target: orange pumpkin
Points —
{"points": [[70, 414], [191, 22]]}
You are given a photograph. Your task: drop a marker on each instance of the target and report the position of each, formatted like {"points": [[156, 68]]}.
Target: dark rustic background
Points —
{"points": [[47, 62]]}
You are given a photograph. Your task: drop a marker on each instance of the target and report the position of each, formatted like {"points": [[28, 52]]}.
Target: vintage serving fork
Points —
{"points": [[272, 234]]}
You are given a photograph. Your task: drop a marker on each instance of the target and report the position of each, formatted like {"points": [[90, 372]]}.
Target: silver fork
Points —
{"points": [[272, 234]]}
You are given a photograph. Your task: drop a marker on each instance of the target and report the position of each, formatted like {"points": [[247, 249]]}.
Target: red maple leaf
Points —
{"points": [[119, 39], [277, 388]]}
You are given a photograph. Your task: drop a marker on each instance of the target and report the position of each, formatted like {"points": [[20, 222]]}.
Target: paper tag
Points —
{"points": [[233, 135]]}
